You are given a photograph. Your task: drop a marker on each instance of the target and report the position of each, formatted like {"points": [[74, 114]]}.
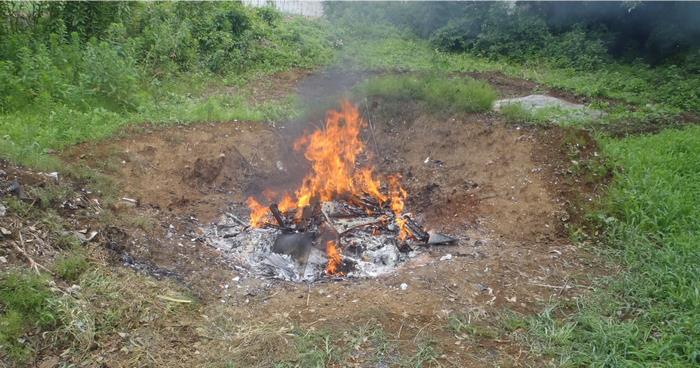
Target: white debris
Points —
{"points": [[53, 175], [446, 257], [3, 210], [404, 286]]}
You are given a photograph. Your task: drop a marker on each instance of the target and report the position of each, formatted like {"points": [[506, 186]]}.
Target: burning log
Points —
{"points": [[416, 230], [277, 215]]}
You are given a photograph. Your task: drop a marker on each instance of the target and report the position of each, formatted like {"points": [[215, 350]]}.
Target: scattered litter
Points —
{"points": [[83, 237], [3, 259], [446, 257], [53, 175], [3, 210], [440, 239], [5, 232], [73, 289], [403, 286], [130, 201], [174, 300], [16, 190]]}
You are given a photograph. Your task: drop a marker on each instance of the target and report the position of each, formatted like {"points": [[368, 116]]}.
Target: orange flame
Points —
{"points": [[258, 212], [334, 258], [287, 203], [398, 197], [333, 152]]}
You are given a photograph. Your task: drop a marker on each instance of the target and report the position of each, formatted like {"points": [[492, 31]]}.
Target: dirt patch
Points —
{"points": [[268, 88], [190, 170], [498, 188], [507, 87]]}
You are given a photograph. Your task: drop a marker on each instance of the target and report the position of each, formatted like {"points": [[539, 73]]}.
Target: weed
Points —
{"points": [[516, 114], [315, 349], [426, 355], [27, 303], [71, 264], [18, 207], [142, 222], [51, 195]]}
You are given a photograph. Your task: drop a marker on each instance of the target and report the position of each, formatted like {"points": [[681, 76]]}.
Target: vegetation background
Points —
{"points": [[77, 71]]}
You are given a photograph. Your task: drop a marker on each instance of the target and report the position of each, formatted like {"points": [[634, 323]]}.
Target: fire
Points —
{"points": [[333, 152], [334, 258], [287, 203], [258, 212], [398, 196]]}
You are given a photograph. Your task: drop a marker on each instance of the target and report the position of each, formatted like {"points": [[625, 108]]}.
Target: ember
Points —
{"points": [[341, 220]]}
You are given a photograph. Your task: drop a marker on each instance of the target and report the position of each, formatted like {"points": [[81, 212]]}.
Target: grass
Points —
{"points": [[440, 94], [648, 314], [70, 265], [517, 114], [663, 91], [29, 137], [27, 303]]}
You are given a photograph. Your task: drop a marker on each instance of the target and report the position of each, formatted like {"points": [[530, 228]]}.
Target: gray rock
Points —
{"points": [[3, 210], [534, 103]]}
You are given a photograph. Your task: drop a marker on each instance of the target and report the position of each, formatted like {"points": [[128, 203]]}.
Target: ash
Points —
{"points": [[369, 248]]}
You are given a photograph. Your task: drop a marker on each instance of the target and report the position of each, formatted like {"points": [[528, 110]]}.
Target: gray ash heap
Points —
{"points": [[341, 222]]}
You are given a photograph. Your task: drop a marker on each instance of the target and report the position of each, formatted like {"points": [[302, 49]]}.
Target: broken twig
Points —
{"points": [[32, 263], [234, 218]]}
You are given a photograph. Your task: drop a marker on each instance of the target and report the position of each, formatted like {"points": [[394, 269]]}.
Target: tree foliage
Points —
{"points": [[576, 34]]}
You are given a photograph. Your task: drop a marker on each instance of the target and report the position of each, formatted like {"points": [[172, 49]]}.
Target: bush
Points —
{"points": [[578, 49]]}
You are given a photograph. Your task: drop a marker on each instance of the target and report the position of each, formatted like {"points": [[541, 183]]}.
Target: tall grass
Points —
{"points": [[444, 94], [649, 315]]}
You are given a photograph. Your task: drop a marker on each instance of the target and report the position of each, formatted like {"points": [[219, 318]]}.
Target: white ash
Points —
{"points": [[370, 255]]}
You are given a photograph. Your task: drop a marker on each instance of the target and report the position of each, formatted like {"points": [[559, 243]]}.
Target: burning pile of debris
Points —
{"points": [[342, 221]]}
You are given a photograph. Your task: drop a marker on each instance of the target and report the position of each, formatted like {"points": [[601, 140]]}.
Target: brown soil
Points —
{"points": [[502, 190]]}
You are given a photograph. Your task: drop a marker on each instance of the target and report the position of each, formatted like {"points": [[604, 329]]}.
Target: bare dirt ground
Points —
{"points": [[507, 192], [493, 186]]}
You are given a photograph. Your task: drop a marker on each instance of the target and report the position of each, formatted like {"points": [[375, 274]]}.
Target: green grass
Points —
{"points": [[26, 303], [517, 114], [649, 314], [70, 265], [29, 137], [441, 94], [650, 90]]}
